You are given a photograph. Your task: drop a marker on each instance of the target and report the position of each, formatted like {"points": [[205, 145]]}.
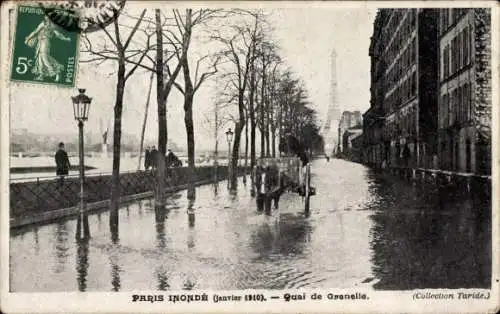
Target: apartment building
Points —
{"points": [[465, 90]]}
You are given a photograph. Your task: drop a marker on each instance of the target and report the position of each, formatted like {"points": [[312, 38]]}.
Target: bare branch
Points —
{"points": [[134, 29]]}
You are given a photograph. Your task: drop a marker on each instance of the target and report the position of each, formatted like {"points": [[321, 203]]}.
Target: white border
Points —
{"points": [[380, 301]]}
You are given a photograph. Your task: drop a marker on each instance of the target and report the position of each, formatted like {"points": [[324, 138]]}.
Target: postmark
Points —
{"points": [[82, 16], [43, 52]]}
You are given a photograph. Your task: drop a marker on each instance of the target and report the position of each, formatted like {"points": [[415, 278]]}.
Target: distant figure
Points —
{"points": [[153, 158], [147, 159], [327, 158], [172, 160], [62, 164]]}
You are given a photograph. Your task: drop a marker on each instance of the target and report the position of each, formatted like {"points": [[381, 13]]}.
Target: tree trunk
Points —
{"points": [[255, 115], [267, 128], [117, 132], [246, 146], [251, 117], [145, 121], [216, 148], [188, 122], [237, 139], [262, 116], [273, 137], [162, 116], [188, 106]]}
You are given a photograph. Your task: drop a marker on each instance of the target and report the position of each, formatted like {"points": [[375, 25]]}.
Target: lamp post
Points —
{"points": [[81, 106], [229, 136]]}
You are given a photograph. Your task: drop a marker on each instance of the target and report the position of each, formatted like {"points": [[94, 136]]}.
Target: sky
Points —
{"points": [[306, 37]]}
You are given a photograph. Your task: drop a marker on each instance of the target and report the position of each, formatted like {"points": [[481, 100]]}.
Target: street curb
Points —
{"points": [[90, 207]]}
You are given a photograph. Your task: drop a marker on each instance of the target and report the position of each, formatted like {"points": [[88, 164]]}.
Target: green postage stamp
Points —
{"points": [[43, 52]]}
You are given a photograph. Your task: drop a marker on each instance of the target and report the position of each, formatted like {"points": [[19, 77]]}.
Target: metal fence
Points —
{"points": [[46, 194]]}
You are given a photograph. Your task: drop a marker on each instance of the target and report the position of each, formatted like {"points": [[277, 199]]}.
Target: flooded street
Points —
{"points": [[365, 229]]}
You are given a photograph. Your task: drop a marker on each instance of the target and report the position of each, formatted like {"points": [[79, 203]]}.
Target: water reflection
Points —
{"points": [[287, 236], [440, 241], [115, 270], [215, 187], [37, 242], [162, 279], [161, 273], [61, 246], [82, 263], [160, 216], [191, 213]]}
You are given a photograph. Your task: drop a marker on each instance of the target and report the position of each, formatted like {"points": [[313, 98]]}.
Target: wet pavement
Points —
{"points": [[365, 229]]}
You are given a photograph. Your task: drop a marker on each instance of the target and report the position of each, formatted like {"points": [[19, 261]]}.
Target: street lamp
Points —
{"points": [[229, 136], [81, 106]]}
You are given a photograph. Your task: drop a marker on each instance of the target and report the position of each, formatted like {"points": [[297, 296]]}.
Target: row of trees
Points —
{"points": [[259, 93], [267, 96]]}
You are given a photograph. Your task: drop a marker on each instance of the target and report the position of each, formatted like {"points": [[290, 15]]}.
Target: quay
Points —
{"points": [[37, 201]]}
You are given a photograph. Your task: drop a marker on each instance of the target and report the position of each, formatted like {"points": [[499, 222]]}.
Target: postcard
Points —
{"points": [[260, 156]]}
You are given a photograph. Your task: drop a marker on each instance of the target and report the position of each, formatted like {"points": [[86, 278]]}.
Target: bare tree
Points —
{"points": [[239, 48], [185, 25], [123, 54], [268, 61]]}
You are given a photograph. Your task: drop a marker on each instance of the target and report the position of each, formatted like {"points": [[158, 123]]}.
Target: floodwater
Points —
{"points": [[365, 229]]}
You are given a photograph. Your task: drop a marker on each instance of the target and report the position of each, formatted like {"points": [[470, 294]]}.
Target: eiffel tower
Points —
{"points": [[330, 127]]}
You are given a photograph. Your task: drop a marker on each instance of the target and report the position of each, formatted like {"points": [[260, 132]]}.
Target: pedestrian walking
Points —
{"points": [[62, 164], [147, 159]]}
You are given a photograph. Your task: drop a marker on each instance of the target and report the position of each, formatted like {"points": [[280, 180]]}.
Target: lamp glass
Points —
{"points": [[87, 108], [75, 109], [229, 135]]}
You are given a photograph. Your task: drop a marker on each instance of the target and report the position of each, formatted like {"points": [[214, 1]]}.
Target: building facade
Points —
{"points": [[350, 136], [348, 120], [400, 126], [465, 90]]}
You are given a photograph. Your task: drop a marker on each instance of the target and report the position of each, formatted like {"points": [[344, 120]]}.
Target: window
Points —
{"points": [[460, 104], [441, 111], [468, 153], [414, 84], [453, 55], [446, 110], [450, 108], [414, 44], [459, 51], [465, 46], [467, 102], [471, 43], [446, 61], [407, 87], [442, 25], [455, 14]]}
